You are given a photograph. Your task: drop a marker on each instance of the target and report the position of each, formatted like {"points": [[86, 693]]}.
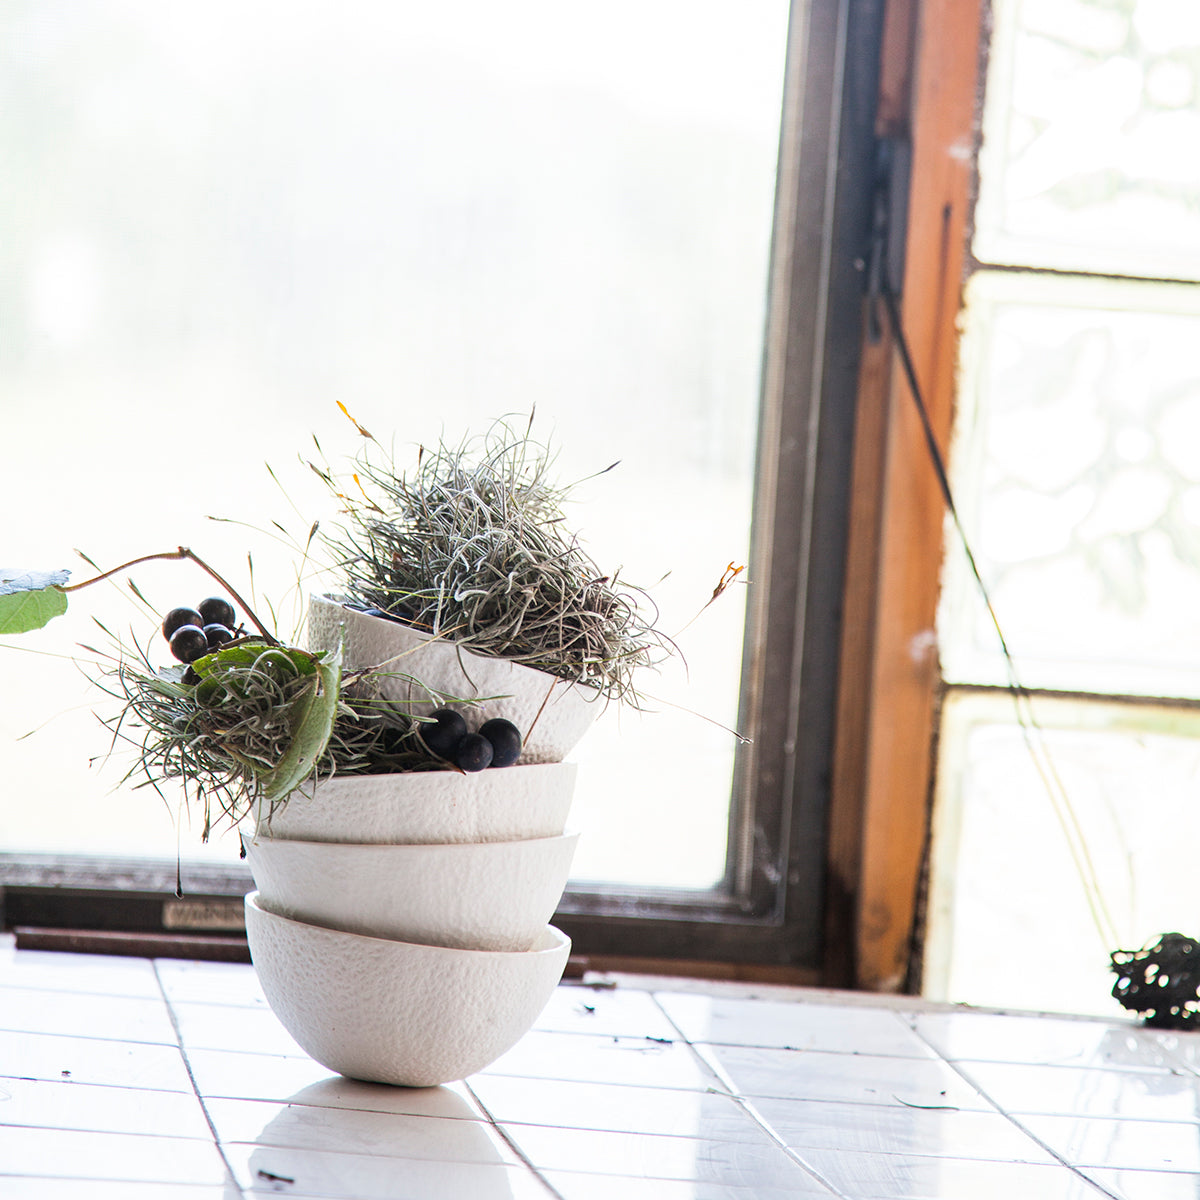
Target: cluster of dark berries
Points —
{"points": [[497, 743], [193, 632], [401, 614]]}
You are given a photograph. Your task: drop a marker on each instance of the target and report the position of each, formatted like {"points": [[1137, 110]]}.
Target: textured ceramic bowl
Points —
{"points": [[393, 1012], [470, 896], [500, 805], [551, 713]]}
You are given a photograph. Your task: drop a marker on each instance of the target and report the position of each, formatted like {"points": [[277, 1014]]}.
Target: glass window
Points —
{"points": [[1077, 479], [1077, 459], [1011, 905], [1091, 118], [224, 219]]}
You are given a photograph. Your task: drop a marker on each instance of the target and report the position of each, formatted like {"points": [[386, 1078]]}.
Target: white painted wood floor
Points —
{"points": [[132, 1079]]}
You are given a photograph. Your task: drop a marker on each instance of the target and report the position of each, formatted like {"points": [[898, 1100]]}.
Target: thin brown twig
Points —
{"points": [[183, 552]]}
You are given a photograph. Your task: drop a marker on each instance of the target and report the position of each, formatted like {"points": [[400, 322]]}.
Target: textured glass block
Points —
{"points": [[1077, 472], [1091, 132], [1009, 918]]}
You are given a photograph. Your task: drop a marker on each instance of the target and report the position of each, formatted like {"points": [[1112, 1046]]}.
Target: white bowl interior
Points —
{"points": [[497, 805], [393, 1012], [551, 713], [481, 896]]}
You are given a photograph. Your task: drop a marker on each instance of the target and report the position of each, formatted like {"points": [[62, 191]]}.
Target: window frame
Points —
{"points": [[930, 100], [770, 909]]}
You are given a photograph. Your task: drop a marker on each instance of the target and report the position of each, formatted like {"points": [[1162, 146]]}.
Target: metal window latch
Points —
{"points": [[889, 224]]}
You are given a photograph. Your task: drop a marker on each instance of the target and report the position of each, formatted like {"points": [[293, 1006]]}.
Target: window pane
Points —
{"points": [[1009, 922], [1091, 121], [1078, 471], [224, 219]]}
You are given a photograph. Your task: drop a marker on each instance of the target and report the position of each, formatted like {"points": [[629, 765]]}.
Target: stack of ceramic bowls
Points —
{"points": [[400, 923]]}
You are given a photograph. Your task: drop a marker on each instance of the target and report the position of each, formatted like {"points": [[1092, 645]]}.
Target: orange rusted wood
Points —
{"points": [[859, 613], [894, 115], [883, 770]]}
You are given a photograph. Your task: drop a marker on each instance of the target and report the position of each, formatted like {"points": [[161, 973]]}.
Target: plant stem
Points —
{"points": [[182, 553]]}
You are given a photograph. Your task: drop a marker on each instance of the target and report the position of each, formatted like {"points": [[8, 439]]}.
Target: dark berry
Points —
{"points": [[188, 643], [217, 635], [506, 741], [474, 753], [384, 615], [177, 618], [216, 610], [443, 733]]}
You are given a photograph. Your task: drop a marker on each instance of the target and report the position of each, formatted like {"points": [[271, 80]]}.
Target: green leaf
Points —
{"points": [[30, 599], [312, 725], [259, 654]]}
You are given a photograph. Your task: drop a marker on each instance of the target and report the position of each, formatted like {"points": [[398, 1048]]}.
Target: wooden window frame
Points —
{"points": [[930, 99], [829, 818]]}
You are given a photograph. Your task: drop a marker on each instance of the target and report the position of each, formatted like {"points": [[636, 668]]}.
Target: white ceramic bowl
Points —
{"points": [[502, 804], [470, 896], [393, 1012], [551, 713]]}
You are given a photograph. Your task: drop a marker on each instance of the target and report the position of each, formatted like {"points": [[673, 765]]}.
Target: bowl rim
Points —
{"points": [[449, 847], [425, 637], [342, 779], [559, 940]]}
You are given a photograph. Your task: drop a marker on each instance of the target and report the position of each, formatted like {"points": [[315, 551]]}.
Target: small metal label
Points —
{"points": [[204, 914]]}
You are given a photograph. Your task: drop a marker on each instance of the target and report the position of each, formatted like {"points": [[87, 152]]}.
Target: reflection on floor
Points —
{"points": [[165, 1080]]}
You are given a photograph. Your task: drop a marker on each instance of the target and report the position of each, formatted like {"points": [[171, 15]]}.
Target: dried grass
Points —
{"points": [[219, 742], [472, 544]]}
